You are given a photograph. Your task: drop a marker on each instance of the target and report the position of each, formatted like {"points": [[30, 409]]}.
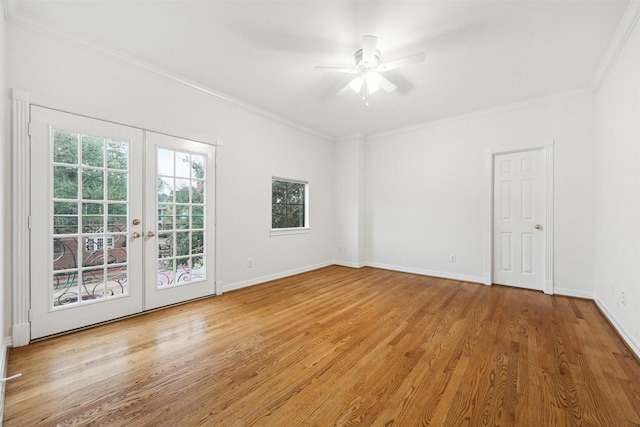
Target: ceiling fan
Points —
{"points": [[369, 69]]}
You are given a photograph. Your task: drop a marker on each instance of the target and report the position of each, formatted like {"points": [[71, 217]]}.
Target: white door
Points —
{"points": [[107, 240], [179, 234], [86, 182], [518, 213]]}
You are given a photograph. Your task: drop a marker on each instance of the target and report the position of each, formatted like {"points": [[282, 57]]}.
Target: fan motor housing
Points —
{"points": [[364, 66]]}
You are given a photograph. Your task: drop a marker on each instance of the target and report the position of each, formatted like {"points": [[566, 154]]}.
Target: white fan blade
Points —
{"points": [[345, 89], [336, 69], [369, 49], [386, 85], [402, 62], [354, 85]]}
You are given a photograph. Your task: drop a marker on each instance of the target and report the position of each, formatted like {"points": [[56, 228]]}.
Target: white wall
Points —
{"points": [[349, 199], [617, 192], [255, 147], [425, 190]]}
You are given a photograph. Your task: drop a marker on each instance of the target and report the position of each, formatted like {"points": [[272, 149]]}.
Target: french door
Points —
{"points": [[121, 221], [179, 217]]}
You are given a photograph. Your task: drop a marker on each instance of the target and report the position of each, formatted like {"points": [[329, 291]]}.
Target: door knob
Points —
{"points": [[150, 233], [538, 227], [135, 235]]}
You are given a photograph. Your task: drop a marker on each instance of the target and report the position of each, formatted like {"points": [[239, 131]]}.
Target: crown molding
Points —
{"points": [[72, 39], [9, 8], [87, 110], [481, 113], [353, 136], [620, 37]]}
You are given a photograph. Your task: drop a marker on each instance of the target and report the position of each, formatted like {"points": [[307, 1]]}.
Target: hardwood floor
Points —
{"points": [[338, 346]]}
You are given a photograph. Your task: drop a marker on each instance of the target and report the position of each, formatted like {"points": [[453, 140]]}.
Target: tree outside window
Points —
{"points": [[288, 204]]}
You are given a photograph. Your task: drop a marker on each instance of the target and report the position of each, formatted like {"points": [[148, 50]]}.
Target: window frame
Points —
{"points": [[306, 228]]}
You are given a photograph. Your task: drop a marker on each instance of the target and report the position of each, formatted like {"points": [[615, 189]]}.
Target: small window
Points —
{"points": [[289, 204]]}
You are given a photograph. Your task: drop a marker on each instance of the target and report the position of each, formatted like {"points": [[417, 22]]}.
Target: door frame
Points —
{"points": [[21, 207], [547, 232]]}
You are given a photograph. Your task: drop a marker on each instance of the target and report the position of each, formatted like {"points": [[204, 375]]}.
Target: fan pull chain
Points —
{"points": [[365, 92]]}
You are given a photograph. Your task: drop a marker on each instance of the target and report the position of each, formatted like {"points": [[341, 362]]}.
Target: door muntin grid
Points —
{"points": [[89, 205], [181, 206]]}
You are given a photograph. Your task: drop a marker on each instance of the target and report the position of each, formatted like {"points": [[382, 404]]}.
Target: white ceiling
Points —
{"points": [[479, 54]]}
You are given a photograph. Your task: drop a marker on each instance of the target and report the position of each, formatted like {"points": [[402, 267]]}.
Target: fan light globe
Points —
{"points": [[356, 84], [373, 81], [370, 78]]}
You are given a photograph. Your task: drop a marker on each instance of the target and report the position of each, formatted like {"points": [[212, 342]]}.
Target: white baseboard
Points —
{"points": [[20, 334], [218, 287], [258, 280], [4, 358], [424, 272], [350, 264], [573, 293], [626, 336]]}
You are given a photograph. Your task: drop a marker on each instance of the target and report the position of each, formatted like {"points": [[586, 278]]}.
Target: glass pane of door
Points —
{"points": [[90, 211], [181, 217]]}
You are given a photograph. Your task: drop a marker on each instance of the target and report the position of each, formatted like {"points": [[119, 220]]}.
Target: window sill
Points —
{"points": [[288, 231]]}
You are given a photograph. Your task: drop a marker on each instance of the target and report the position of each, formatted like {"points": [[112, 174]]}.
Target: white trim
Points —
{"points": [[481, 113], [425, 272], [297, 181], [488, 218], [619, 39], [4, 364], [70, 38], [548, 231], [349, 138], [20, 235], [624, 333], [289, 231], [573, 293], [350, 264], [259, 280], [217, 269], [10, 7]]}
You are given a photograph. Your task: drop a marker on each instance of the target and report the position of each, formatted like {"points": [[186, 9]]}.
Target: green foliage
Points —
{"points": [[287, 204], [66, 172], [181, 210]]}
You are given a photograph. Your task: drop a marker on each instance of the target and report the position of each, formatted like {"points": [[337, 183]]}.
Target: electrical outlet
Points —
{"points": [[623, 298], [452, 258], [249, 263]]}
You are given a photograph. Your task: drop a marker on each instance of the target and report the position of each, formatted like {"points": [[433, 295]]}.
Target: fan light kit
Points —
{"points": [[369, 69]]}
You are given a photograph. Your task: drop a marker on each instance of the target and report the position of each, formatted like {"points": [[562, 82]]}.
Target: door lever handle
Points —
{"points": [[135, 235], [538, 227]]}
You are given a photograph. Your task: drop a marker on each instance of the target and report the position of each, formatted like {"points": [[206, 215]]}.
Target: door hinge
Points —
{"points": [[29, 129], [29, 222], [29, 314]]}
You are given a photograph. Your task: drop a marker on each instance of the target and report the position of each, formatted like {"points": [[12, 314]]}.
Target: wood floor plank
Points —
{"points": [[337, 346]]}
